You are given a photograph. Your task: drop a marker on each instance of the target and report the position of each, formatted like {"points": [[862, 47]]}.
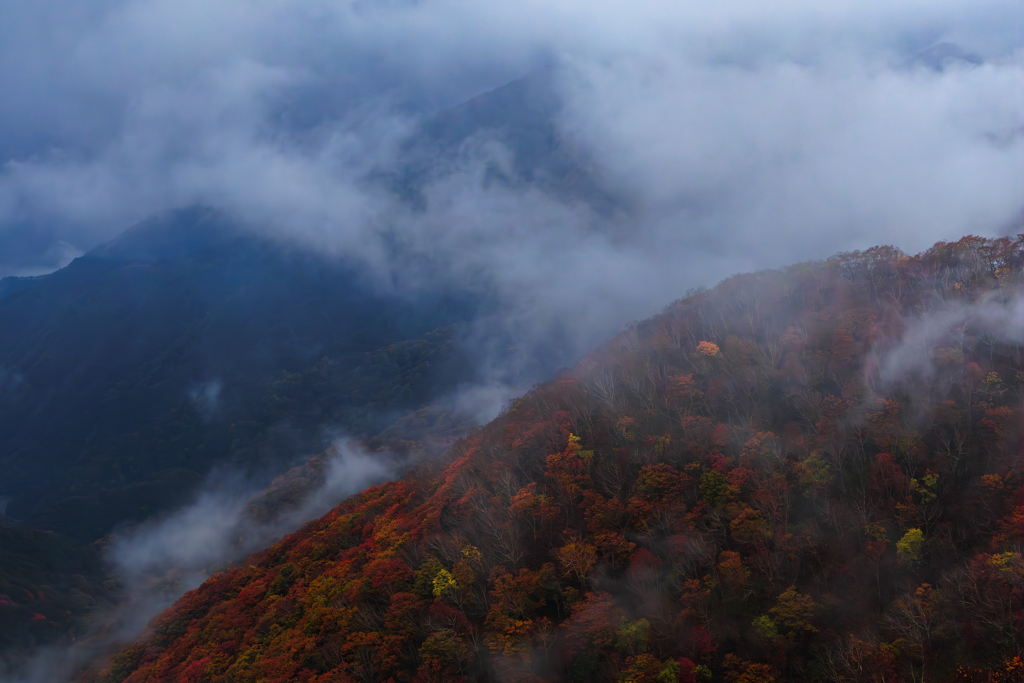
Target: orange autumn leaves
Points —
{"points": [[676, 509]]}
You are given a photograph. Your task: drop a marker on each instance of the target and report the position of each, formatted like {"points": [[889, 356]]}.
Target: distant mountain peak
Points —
{"points": [[941, 56], [172, 233]]}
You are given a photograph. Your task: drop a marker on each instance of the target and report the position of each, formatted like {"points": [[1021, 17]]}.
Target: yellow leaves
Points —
{"points": [[509, 635], [924, 488], [444, 584], [386, 537], [993, 483], [765, 627], [908, 548], [708, 349], [1009, 565], [715, 488], [446, 653], [737, 670], [626, 429], [463, 571], [1012, 670], [574, 448], [814, 471], [631, 636], [732, 571], [577, 558], [793, 613], [925, 594], [645, 668], [750, 527]]}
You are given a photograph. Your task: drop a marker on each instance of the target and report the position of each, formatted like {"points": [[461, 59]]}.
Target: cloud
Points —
{"points": [[938, 340], [9, 380], [737, 136], [161, 559], [218, 527], [206, 397], [733, 136]]}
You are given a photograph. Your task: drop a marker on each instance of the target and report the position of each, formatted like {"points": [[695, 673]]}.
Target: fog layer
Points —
{"points": [[733, 137], [159, 560]]}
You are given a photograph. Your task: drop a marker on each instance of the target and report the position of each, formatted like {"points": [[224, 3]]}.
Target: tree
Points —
{"points": [[793, 613], [577, 559], [908, 548]]}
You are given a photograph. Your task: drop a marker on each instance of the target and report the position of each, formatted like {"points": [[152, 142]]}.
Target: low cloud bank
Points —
{"points": [[734, 138], [921, 350], [161, 559], [219, 527], [727, 138]]}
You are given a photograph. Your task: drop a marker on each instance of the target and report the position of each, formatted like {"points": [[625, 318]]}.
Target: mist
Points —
{"points": [[917, 355], [156, 562], [219, 527], [732, 138], [726, 138]]}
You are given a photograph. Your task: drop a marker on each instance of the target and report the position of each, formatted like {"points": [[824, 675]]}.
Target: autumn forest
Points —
{"points": [[811, 474]]}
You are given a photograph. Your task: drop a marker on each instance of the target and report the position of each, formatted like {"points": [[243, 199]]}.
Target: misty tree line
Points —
{"points": [[812, 474]]}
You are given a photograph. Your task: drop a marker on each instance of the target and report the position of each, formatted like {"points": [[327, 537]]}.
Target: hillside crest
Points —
{"points": [[806, 474]]}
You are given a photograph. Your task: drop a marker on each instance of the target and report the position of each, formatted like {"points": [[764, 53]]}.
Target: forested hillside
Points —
{"points": [[188, 342], [193, 338], [806, 474], [193, 342], [183, 345]]}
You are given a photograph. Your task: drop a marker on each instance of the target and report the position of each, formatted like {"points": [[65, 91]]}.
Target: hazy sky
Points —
{"points": [[744, 134], [740, 135]]}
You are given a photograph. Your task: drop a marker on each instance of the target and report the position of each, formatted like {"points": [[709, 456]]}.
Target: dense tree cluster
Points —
{"points": [[812, 474]]}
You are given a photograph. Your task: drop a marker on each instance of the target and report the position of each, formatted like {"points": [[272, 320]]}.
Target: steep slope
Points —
{"points": [[180, 346], [523, 118], [43, 575], [181, 342], [186, 342], [10, 285], [807, 474]]}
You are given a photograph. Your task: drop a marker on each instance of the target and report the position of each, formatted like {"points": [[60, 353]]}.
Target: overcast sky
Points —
{"points": [[745, 135]]}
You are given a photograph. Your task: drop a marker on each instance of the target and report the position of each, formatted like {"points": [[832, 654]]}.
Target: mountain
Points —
{"points": [[10, 285], [186, 342], [805, 474], [183, 345], [191, 342], [523, 117]]}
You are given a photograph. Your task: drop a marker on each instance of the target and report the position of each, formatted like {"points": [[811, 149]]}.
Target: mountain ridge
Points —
{"points": [[190, 342], [736, 490]]}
